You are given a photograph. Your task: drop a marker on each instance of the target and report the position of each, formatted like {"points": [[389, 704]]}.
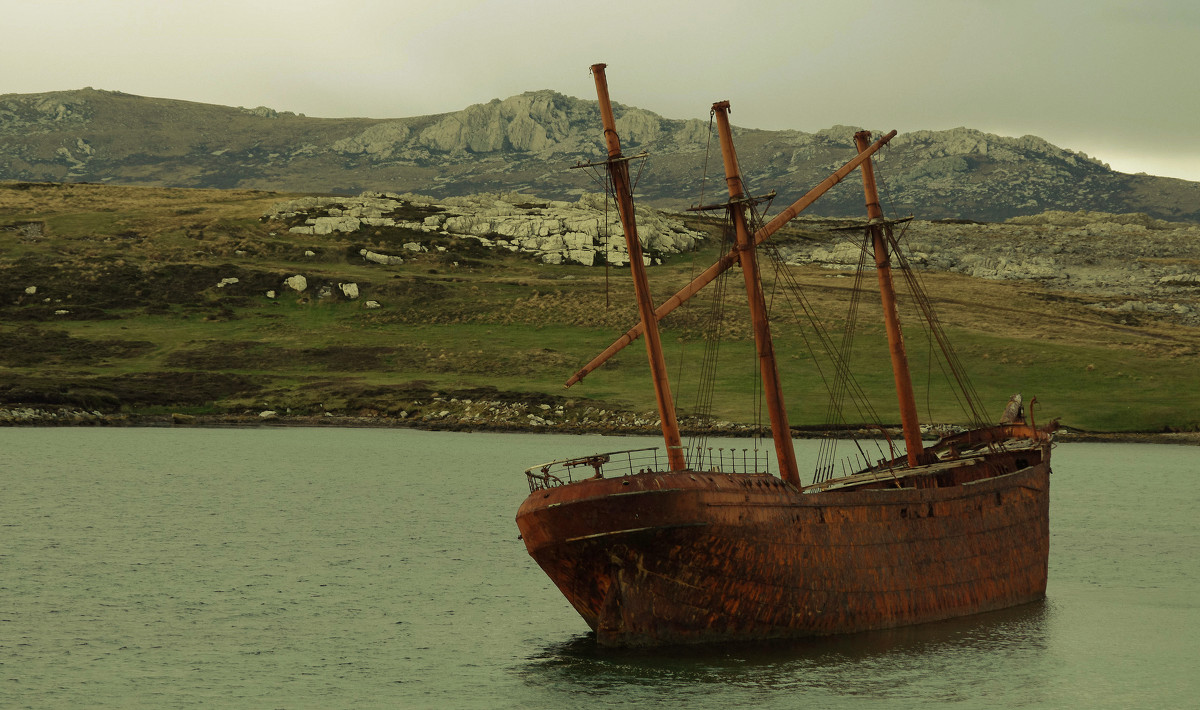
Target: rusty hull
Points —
{"points": [[690, 556]]}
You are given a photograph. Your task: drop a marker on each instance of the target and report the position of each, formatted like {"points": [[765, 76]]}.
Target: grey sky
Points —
{"points": [[1115, 79]]}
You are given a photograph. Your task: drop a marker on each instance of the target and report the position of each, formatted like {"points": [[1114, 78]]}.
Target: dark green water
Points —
{"points": [[335, 568]]}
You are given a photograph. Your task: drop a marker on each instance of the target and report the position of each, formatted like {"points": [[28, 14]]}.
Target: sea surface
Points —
{"points": [[376, 568]]}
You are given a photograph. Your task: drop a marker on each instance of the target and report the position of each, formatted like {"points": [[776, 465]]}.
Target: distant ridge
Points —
{"points": [[525, 143]]}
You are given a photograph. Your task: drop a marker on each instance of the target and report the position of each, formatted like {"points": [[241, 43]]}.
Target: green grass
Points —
{"points": [[1093, 388], [520, 326]]}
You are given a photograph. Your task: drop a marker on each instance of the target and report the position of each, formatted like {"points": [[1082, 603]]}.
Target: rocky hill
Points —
{"points": [[526, 143]]}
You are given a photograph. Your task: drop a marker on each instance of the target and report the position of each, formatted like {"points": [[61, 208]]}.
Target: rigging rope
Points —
{"points": [[969, 399], [606, 184], [706, 379], [707, 152], [841, 384], [839, 357], [834, 414], [609, 190]]}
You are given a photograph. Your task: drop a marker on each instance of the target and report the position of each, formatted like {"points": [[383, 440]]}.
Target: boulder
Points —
{"points": [[329, 225], [378, 258]]}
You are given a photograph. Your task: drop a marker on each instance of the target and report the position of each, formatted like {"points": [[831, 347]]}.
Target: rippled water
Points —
{"points": [[339, 568]]}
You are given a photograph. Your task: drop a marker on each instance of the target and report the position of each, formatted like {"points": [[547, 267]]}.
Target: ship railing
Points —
{"points": [[606, 465], [632, 462], [727, 459]]}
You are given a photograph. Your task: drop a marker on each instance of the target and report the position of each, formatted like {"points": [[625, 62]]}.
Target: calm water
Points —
{"points": [[335, 568]]}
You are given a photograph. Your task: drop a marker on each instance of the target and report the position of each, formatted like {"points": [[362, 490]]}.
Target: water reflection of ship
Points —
{"points": [[883, 664]]}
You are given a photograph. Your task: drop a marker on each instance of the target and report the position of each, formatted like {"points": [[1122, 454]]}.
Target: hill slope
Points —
{"points": [[525, 143], [129, 303]]}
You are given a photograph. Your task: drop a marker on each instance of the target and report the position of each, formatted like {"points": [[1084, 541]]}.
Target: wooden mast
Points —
{"points": [[780, 430], [887, 294], [618, 168]]}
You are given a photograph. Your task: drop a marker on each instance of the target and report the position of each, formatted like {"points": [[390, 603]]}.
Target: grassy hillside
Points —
{"points": [[111, 301]]}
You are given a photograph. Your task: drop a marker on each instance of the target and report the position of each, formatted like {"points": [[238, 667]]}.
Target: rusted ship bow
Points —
{"points": [[655, 548]]}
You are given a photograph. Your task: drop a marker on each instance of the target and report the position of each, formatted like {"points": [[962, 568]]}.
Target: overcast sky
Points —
{"points": [[1118, 80]]}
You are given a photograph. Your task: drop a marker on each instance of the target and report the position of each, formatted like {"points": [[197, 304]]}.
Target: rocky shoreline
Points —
{"points": [[621, 424]]}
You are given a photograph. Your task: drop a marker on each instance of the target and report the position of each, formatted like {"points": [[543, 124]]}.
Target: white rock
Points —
{"points": [[309, 252], [329, 225], [378, 258], [587, 257], [379, 221], [577, 240], [268, 414], [371, 304], [296, 283], [31, 290], [270, 294], [349, 290], [226, 282]]}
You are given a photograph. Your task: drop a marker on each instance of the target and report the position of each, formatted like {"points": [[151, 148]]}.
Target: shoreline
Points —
{"points": [[30, 417]]}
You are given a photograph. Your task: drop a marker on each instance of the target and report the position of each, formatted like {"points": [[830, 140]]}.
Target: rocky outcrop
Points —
{"points": [[587, 231], [1131, 263], [383, 140], [544, 123]]}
